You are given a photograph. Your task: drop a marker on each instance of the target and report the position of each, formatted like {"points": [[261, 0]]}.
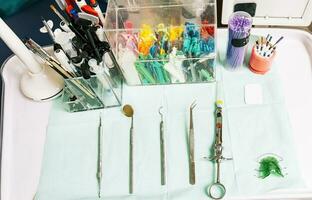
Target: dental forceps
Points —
{"points": [[162, 148], [191, 146]]}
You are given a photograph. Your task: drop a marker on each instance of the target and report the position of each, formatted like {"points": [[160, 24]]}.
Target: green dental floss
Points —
{"points": [[269, 165]]}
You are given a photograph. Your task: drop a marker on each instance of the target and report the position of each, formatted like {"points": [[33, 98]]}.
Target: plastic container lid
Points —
{"points": [[276, 13]]}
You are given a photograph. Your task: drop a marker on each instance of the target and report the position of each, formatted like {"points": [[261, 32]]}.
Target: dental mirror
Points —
{"points": [[128, 110]]}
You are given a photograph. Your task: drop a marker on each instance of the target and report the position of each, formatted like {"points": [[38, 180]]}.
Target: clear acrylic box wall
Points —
{"points": [[97, 92], [163, 41]]}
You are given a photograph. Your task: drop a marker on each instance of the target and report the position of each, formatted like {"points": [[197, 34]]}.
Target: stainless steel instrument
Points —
{"points": [[162, 149], [191, 147], [129, 112], [217, 190], [100, 153]]}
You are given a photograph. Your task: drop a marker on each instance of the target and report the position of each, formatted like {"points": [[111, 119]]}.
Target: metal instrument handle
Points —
{"points": [[131, 161], [217, 186], [191, 147], [162, 154], [192, 157]]}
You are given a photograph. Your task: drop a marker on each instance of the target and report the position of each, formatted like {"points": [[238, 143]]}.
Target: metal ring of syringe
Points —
{"points": [[216, 187]]}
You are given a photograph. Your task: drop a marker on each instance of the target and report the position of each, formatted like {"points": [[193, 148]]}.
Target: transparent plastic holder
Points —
{"points": [[239, 27], [146, 35], [181, 70], [100, 91]]}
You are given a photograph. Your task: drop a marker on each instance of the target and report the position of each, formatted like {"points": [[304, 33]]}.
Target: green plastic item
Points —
{"points": [[270, 166], [166, 75], [144, 73], [205, 75], [159, 72]]}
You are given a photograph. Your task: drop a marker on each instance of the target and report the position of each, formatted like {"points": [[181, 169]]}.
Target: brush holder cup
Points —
{"points": [[260, 63]]}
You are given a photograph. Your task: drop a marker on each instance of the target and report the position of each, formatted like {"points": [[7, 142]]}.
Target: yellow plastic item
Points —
{"points": [[175, 32], [146, 39]]}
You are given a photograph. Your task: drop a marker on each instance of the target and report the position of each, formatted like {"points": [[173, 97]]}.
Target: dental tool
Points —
{"points": [[217, 190], [162, 149], [191, 147], [99, 173], [97, 8], [129, 112], [48, 28]]}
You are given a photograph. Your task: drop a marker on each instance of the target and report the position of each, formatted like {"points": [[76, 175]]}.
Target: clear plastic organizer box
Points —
{"points": [[164, 41]]}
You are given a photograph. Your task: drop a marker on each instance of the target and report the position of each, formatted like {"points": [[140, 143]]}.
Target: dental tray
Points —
{"points": [[24, 122]]}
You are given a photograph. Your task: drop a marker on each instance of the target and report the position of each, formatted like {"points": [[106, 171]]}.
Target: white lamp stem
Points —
{"points": [[37, 83], [19, 49]]}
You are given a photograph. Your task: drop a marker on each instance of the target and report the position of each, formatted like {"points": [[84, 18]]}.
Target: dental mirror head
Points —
{"points": [[127, 110], [216, 191]]}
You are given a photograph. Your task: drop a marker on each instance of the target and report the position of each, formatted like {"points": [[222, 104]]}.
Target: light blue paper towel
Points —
{"points": [[147, 155], [256, 130], [71, 129], [68, 149], [66, 129]]}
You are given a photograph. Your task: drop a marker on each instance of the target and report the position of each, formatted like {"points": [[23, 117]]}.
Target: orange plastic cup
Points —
{"points": [[260, 64]]}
